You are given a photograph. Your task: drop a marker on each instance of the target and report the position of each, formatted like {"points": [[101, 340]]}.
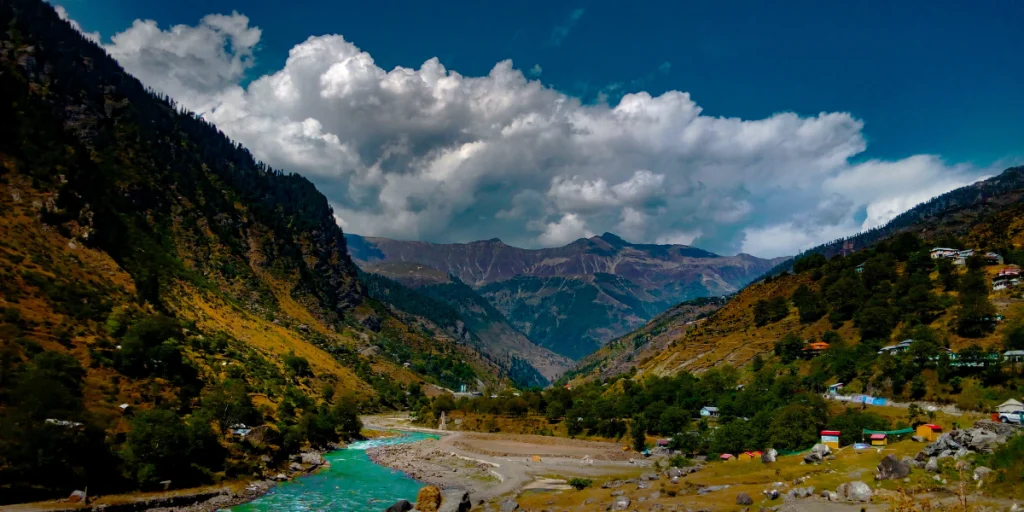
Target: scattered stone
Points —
{"points": [[621, 503], [772, 494], [981, 472], [829, 495], [280, 477], [612, 484], [77, 497], [675, 480], [400, 506], [932, 466], [917, 439], [769, 455], [643, 485], [711, 488], [854, 491], [744, 499], [891, 469], [649, 476], [509, 506], [618, 493], [655, 495]]}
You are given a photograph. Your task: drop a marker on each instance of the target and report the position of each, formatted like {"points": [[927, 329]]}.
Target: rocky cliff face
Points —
{"points": [[574, 298]]}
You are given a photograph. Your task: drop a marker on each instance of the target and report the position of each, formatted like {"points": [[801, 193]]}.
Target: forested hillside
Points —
{"points": [[993, 202], [457, 310], [159, 286], [853, 305]]}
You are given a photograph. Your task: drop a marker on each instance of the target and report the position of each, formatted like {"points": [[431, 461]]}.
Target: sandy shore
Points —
{"points": [[493, 465]]}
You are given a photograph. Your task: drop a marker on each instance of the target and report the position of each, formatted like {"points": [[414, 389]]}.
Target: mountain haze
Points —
{"points": [[572, 299]]}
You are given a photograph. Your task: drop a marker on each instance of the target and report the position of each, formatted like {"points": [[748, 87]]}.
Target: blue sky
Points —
{"points": [[926, 95], [928, 77]]}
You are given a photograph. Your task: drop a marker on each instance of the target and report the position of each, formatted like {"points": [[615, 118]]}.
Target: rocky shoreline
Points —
{"points": [[425, 463]]}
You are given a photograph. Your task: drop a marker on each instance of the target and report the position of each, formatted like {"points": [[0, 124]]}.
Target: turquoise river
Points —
{"points": [[351, 484]]}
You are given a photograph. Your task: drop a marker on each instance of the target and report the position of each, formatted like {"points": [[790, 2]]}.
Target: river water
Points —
{"points": [[352, 484]]}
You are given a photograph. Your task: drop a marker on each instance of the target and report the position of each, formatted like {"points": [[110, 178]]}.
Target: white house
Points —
{"points": [[1013, 355], [709, 412], [943, 252]]}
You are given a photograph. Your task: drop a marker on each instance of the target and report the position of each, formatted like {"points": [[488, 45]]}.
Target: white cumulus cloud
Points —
{"points": [[428, 153]]}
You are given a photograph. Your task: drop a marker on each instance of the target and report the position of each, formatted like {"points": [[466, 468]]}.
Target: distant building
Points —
{"points": [[1015, 356], [943, 252], [816, 347], [1008, 277], [727, 457], [930, 432], [859, 268], [834, 388], [902, 346], [709, 412], [993, 259], [878, 440], [1010, 406], [749, 456], [830, 438]]}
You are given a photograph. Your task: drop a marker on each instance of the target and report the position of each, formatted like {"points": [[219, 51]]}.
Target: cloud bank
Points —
{"points": [[430, 154]]}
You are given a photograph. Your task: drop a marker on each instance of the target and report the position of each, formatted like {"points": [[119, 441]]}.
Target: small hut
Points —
{"points": [[749, 456], [830, 438], [878, 440], [930, 432], [727, 457]]}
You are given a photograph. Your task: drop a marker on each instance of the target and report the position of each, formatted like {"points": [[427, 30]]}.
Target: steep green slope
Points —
{"points": [[148, 260], [459, 311]]}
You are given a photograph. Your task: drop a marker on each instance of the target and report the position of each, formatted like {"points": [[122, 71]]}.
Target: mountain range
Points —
{"points": [[570, 299]]}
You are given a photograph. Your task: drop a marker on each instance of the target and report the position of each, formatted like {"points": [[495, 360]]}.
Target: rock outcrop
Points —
{"points": [[854, 491], [891, 469]]}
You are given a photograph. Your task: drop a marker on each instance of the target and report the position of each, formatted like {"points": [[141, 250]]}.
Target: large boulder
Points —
{"points": [[769, 455], [821, 449], [812, 458], [620, 503], [428, 499], [400, 506], [744, 499], [932, 466], [455, 500], [311, 458], [892, 469], [1002, 429], [854, 491], [981, 472], [984, 441], [509, 506]]}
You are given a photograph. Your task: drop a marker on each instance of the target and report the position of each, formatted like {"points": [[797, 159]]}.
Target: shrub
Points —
{"points": [[580, 483]]}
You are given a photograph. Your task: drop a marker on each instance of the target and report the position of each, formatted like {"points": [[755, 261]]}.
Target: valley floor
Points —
{"points": [[498, 467]]}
